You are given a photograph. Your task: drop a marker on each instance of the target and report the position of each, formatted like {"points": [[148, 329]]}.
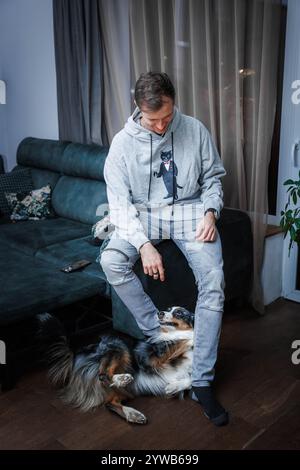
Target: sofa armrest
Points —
{"points": [[1, 165]]}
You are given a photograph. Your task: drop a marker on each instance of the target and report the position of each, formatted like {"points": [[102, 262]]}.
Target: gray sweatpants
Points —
{"points": [[206, 261]]}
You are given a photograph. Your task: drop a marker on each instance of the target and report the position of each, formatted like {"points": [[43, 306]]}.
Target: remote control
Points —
{"points": [[76, 266]]}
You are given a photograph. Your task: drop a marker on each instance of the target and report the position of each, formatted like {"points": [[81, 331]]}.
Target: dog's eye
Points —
{"points": [[178, 312]]}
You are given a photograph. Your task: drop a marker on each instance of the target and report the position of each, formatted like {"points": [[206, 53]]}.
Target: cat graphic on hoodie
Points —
{"points": [[169, 171]]}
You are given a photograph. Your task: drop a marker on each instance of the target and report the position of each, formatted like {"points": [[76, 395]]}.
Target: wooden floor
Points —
{"points": [[256, 381]]}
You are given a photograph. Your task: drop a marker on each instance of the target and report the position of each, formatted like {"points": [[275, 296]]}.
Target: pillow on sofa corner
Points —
{"points": [[35, 205], [14, 182], [101, 230]]}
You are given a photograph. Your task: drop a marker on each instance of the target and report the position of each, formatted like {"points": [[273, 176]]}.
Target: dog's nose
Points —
{"points": [[161, 315]]}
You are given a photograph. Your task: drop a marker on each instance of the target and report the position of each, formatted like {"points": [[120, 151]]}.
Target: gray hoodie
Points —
{"points": [[147, 171]]}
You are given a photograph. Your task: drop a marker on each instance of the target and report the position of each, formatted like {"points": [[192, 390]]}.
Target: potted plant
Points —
{"points": [[290, 221]]}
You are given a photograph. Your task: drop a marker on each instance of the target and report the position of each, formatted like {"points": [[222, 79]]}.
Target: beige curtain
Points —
{"points": [[116, 58], [222, 56]]}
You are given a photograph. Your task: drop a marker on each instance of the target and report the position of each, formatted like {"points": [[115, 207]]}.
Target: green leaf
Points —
{"points": [[289, 182], [290, 246], [293, 233], [297, 212], [294, 197]]}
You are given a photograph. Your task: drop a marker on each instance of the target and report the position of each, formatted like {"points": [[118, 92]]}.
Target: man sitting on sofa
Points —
{"points": [[163, 181]]}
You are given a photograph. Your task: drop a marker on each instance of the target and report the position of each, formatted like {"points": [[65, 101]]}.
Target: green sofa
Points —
{"points": [[32, 252]]}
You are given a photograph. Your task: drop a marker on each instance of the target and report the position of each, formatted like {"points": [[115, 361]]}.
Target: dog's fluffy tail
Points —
{"points": [[55, 347]]}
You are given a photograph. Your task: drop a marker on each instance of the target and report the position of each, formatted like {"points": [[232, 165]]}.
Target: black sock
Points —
{"points": [[211, 407]]}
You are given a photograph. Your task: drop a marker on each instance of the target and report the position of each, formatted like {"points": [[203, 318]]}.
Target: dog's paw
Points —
{"points": [[172, 389], [121, 380], [134, 416], [175, 388]]}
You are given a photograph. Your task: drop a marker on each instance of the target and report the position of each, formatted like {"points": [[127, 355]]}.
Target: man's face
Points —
{"points": [[158, 121]]}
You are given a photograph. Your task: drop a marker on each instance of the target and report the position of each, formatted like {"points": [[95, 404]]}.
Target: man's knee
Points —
{"points": [[115, 266], [212, 289]]}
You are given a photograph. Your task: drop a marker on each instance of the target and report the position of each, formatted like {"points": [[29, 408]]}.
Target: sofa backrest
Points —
{"points": [[44, 157], [74, 171]]}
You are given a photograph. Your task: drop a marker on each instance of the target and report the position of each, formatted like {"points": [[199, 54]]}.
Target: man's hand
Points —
{"points": [[206, 230], [152, 261]]}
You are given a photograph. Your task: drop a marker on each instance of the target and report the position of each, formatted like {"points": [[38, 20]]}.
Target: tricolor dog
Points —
{"points": [[113, 371]]}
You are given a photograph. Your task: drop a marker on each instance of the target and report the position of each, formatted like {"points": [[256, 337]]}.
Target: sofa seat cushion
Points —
{"points": [[30, 286], [67, 252], [31, 235]]}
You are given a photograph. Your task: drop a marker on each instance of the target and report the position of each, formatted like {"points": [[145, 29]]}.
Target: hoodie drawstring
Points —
{"points": [[150, 167]]}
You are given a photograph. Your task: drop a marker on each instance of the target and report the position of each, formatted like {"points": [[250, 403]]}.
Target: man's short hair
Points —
{"points": [[150, 89]]}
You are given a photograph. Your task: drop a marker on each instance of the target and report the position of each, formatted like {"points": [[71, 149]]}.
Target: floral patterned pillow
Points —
{"points": [[34, 205]]}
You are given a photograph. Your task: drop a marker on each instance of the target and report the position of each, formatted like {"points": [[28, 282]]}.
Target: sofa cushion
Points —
{"points": [[13, 182], [41, 177], [35, 205], [30, 286], [79, 199], [31, 235], [85, 161], [41, 153], [67, 252]]}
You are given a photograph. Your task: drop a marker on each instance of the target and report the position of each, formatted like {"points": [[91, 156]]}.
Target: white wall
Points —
{"points": [[27, 65], [290, 133]]}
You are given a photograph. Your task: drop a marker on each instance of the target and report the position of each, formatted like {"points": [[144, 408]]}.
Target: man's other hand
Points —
{"points": [[206, 230]]}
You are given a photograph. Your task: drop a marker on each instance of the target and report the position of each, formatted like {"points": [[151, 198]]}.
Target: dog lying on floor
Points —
{"points": [[112, 371]]}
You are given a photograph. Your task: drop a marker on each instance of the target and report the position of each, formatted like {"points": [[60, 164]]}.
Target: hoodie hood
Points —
{"points": [[134, 129]]}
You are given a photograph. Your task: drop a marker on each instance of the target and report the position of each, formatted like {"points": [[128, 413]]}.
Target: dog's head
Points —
{"points": [[179, 317]]}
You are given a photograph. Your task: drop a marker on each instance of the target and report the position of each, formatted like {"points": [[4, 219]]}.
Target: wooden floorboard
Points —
{"points": [[256, 381]]}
